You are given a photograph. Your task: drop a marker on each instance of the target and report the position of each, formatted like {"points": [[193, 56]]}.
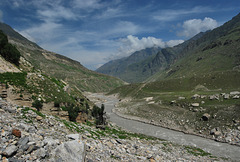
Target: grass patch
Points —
{"points": [[196, 151], [18, 79]]}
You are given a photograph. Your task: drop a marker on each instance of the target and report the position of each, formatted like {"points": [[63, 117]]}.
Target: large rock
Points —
{"points": [[10, 151], [73, 151]]}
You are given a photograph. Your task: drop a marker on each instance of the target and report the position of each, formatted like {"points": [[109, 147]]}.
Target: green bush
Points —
{"points": [[73, 112], [57, 104], [98, 114], [37, 104]]}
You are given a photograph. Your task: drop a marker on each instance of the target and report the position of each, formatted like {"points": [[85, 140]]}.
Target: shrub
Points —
{"points": [[57, 104], [73, 112], [37, 104]]}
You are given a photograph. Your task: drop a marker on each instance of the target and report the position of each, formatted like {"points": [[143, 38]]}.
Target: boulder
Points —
{"points": [[69, 151], [10, 151], [206, 116]]}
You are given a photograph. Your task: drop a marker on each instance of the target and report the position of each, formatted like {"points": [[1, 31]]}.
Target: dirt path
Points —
{"points": [[215, 148]]}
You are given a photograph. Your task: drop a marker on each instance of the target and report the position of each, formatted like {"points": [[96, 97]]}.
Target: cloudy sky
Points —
{"points": [[96, 31]]}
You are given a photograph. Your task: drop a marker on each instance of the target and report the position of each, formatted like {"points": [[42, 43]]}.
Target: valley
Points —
{"points": [[179, 103], [148, 127]]}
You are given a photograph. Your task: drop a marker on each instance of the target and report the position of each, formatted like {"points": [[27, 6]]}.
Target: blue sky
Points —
{"points": [[96, 31]]}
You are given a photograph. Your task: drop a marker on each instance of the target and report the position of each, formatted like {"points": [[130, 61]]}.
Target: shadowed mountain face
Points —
{"points": [[60, 67], [130, 68], [206, 52]]}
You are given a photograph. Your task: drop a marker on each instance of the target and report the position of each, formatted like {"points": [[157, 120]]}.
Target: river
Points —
{"points": [[215, 148]]}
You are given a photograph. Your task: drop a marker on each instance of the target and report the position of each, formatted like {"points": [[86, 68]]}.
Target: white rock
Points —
{"points": [[195, 104], [235, 93]]}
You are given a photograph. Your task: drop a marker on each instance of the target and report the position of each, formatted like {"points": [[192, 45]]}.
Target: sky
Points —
{"points": [[94, 32]]}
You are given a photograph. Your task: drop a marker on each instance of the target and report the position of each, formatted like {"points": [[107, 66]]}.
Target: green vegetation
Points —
{"points": [[98, 114], [37, 104], [196, 151], [73, 112], [18, 79], [8, 51]]}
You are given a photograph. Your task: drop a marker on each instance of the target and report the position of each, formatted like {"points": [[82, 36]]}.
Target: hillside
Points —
{"points": [[207, 52], [215, 51], [60, 67], [128, 68]]}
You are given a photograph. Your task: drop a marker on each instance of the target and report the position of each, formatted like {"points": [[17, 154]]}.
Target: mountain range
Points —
{"points": [[207, 52]]}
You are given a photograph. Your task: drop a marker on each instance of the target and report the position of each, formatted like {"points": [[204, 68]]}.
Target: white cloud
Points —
{"points": [[172, 43], [195, 26], [122, 28], [132, 44], [170, 15], [43, 32], [58, 12], [89, 4]]}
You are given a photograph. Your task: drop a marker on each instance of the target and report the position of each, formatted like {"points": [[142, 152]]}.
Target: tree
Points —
{"points": [[98, 114]]}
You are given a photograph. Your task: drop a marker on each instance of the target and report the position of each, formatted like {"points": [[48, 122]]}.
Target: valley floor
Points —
{"points": [[144, 126]]}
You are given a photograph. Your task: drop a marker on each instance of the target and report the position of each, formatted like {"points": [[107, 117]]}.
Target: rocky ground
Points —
{"points": [[27, 135]]}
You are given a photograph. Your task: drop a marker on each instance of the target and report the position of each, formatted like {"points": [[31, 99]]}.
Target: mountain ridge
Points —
{"points": [[166, 63], [59, 66]]}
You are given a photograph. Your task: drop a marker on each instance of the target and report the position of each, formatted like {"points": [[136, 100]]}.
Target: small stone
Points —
{"points": [[4, 159], [39, 118], [236, 97], [195, 104], [16, 133], [226, 96], [3, 133], [181, 98], [217, 133]]}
